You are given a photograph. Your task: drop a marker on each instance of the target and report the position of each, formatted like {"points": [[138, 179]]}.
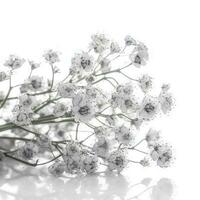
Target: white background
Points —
{"points": [[169, 28]]}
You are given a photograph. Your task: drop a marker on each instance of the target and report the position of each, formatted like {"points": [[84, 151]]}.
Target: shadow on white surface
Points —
{"points": [[20, 183]]}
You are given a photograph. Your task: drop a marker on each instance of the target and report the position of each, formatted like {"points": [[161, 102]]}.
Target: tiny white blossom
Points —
{"points": [[129, 40], [89, 164], [82, 62], [99, 43], [124, 135], [21, 116], [66, 90], [139, 55], [51, 56], [35, 83], [57, 168], [28, 151], [166, 101], [149, 108], [105, 65], [14, 62], [3, 76], [27, 101], [114, 47], [152, 137], [59, 109], [145, 162], [117, 161], [145, 83], [34, 65], [102, 147], [162, 153], [82, 108]]}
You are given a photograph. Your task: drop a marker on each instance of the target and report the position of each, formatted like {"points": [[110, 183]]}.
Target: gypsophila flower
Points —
{"points": [[124, 135], [82, 108], [166, 102], [73, 123], [51, 56], [149, 108], [3, 76], [145, 162], [14, 62], [57, 168], [145, 83], [152, 137], [28, 151], [139, 55], [66, 90], [129, 40], [114, 47], [34, 65], [102, 146], [162, 153], [59, 109], [117, 161], [82, 62], [105, 65], [137, 122], [99, 43], [89, 164], [21, 116], [27, 101], [35, 83]]}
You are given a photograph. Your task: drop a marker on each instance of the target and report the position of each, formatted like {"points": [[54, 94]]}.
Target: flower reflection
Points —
{"points": [[23, 183]]}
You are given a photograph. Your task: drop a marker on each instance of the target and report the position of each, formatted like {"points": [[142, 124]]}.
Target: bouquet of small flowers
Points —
{"points": [[91, 118]]}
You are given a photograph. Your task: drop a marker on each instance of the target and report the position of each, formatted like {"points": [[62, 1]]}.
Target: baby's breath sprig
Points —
{"points": [[91, 118]]}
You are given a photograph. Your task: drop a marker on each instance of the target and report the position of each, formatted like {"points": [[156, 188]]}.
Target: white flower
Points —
{"points": [[124, 135], [3, 76], [126, 89], [137, 122], [35, 83], [145, 83], [28, 151], [82, 62], [99, 43], [117, 161], [89, 164], [128, 104], [82, 108], [51, 56], [21, 116], [145, 162], [152, 137], [100, 131], [59, 109], [139, 55], [102, 146], [66, 90], [105, 65], [57, 168], [166, 102], [34, 65], [27, 101], [73, 166], [73, 150], [14, 62], [129, 40], [149, 108], [114, 47], [162, 153]]}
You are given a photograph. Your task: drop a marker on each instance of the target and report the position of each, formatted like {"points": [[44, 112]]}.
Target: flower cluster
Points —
{"points": [[90, 119]]}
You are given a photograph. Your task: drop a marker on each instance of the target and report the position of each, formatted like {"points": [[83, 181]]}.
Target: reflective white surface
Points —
{"points": [[20, 183]]}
